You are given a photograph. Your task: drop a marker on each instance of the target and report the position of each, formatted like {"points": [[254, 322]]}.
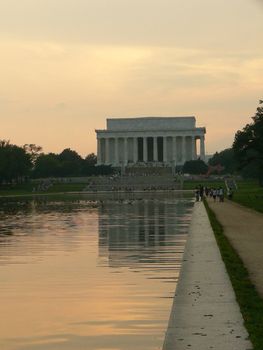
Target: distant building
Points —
{"points": [[150, 140]]}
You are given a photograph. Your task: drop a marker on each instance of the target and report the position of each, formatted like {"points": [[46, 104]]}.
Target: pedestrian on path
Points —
{"points": [[229, 193], [214, 194], [221, 194], [197, 194]]}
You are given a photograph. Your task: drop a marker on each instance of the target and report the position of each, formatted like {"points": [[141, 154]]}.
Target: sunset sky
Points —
{"points": [[67, 65]]}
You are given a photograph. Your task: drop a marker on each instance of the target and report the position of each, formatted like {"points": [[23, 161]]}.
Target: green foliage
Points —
{"points": [[89, 165], [249, 194], [16, 189], [226, 159], [192, 184], [103, 170], [91, 159], [68, 163], [66, 187], [33, 150], [248, 146], [15, 163], [251, 304], [195, 167], [47, 165], [68, 155]]}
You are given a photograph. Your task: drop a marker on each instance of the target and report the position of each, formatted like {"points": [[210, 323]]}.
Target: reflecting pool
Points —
{"points": [[89, 274]]}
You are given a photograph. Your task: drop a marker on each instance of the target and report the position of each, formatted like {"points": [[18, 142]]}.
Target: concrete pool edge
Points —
{"points": [[205, 314]]}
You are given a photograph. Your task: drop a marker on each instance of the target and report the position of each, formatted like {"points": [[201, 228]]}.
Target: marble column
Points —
{"points": [[125, 158], [174, 149], [98, 151], [193, 148], [165, 149], [155, 149], [183, 150], [202, 147], [116, 146], [107, 150], [135, 150], [145, 158]]}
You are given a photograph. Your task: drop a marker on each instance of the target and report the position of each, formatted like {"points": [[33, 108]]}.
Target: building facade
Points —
{"points": [[150, 140]]}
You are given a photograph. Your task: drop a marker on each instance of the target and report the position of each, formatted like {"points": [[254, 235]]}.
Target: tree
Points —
{"points": [[47, 165], [15, 163], [195, 167], [70, 163], [103, 170], [91, 159], [68, 155], [226, 159], [33, 150], [89, 165], [248, 145]]}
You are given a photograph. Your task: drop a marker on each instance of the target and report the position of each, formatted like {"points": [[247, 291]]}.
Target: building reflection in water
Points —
{"points": [[141, 231], [56, 294]]}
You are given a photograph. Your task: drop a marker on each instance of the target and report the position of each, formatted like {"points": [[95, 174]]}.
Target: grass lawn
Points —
{"points": [[192, 184], [249, 194], [251, 304], [27, 188]]}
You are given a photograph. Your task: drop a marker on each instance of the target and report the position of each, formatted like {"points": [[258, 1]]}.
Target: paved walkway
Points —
{"points": [[244, 229], [205, 314]]}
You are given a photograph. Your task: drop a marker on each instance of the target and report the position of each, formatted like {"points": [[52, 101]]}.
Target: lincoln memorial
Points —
{"points": [[150, 140]]}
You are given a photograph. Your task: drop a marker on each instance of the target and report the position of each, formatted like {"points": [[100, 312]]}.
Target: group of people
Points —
{"points": [[216, 193]]}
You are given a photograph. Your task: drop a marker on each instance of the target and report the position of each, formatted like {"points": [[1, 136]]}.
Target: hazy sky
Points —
{"points": [[67, 65]]}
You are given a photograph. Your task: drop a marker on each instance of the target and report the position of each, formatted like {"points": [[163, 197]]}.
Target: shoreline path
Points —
{"points": [[244, 229]]}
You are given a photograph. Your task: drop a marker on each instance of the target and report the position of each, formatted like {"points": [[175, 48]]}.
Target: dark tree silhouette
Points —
{"points": [[47, 165], [70, 163], [91, 159], [195, 167], [226, 159], [248, 146], [15, 163], [33, 150]]}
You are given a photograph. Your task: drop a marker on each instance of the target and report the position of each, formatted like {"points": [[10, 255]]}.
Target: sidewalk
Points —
{"points": [[244, 229], [205, 314]]}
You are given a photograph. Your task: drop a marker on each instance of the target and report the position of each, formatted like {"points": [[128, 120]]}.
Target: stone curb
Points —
{"points": [[205, 314]]}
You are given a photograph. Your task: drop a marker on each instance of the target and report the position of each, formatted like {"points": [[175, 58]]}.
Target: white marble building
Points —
{"points": [[153, 140]]}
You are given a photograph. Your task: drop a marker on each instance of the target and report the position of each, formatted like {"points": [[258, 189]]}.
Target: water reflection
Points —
{"points": [[89, 274], [142, 232]]}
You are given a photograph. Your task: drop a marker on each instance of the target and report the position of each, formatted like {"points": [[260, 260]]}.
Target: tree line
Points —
{"points": [[17, 164], [245, 157]]}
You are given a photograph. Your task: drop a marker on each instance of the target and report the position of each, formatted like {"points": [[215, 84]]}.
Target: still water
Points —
{"points": [[89, 275]]}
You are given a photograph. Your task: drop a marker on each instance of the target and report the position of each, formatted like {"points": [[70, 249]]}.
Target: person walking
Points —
{"points": [[214, 194], [230, 193], [197, 194], [201, 192], [221, 194]]}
